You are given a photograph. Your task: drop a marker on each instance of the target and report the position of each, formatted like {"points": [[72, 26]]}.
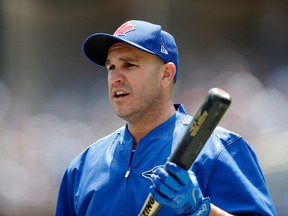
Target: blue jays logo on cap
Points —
{"points": [[124, 28]]}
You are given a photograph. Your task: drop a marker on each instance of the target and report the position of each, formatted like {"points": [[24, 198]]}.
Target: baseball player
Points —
{"points": [[114, 175]]}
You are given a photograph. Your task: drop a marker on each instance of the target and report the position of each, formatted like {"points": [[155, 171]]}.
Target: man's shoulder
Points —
{"points": [[226, 136], [223, 141], [108, 138], [98, 147]]}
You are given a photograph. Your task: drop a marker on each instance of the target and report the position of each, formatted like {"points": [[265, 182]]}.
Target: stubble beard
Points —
{"points": [[144, 107]]}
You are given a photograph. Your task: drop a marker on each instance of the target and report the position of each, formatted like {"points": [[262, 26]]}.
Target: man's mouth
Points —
{"points": [[119, 94]]}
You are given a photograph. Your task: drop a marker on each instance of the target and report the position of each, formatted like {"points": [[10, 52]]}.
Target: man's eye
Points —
{"points": [[130, 65], [110, 67]]}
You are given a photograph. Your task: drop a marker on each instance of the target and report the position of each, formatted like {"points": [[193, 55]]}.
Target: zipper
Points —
{"points": [[127, 178], [130, 161], [127, 173]]}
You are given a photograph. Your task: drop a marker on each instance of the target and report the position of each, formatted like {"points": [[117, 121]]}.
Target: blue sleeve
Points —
{"points": [[233, 179], [65, 201]]}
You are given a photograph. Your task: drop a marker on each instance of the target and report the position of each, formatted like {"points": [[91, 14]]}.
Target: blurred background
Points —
{"points": [[53, 101]]}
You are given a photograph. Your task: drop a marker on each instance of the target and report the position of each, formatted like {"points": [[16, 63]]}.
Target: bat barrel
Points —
{"points": [[220, 95]]}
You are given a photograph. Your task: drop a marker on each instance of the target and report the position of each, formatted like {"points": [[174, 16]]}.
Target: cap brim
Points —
{"points": [[96, 47]]}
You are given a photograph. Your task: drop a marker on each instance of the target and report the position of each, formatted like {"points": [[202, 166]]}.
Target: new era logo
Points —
{"points": [[164, 50], [123, 29]]}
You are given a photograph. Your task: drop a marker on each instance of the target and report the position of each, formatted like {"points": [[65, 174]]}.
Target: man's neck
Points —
{"points": [[143, 127]]}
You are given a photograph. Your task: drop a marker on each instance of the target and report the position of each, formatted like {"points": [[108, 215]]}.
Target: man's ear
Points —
{"points": [[169, 72]]}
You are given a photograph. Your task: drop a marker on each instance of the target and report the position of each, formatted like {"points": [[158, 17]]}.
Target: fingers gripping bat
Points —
{"points": [[200, 128]]}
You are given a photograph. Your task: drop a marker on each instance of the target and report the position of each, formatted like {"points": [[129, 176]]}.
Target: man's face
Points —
{"points": [[134, 81]]}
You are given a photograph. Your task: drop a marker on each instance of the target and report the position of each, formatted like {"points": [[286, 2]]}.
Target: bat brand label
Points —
{"points": [[198, 122], [148, 207]]}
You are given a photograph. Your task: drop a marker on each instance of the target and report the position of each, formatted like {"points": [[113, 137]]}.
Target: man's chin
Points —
{"points": [[121, 114], [125, 116]]}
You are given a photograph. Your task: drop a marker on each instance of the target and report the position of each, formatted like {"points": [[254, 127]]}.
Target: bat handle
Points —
{"points": [[150, 207]]}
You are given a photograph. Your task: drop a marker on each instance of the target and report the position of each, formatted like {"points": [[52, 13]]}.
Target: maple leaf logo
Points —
{"points": [[123, 29]]}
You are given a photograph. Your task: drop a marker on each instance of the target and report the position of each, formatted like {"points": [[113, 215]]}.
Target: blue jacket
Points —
{"points": [[103, 180]]}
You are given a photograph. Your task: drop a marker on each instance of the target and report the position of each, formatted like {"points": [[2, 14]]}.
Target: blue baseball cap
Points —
{"points": [[140, 34]]}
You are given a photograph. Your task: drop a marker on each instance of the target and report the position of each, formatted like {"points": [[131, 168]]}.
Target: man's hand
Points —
{"points": [[179, 189]]}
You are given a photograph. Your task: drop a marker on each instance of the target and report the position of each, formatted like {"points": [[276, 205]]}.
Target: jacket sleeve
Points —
{"points": [[65, 201], [234, 180]]}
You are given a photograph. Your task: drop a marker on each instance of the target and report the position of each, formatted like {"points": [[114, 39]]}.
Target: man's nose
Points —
{"points": [[115, 76]]}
